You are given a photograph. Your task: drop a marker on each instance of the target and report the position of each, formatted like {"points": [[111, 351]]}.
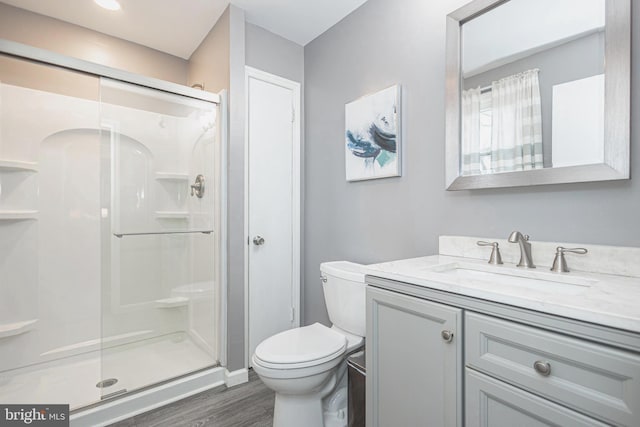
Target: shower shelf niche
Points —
{"points": [[17, 166], [172, 176], [17, 328], [172, 215], [18, 215], [173, 302]]}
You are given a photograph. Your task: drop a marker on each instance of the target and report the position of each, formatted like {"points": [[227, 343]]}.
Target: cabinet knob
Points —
{"points": [[543, 368], [447, 335]]}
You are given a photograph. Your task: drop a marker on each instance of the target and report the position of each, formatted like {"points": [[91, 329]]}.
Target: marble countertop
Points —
{"points": [[604, 299]]}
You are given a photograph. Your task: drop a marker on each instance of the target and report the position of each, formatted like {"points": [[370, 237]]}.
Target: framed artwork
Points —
{"points": [[372, 136]]}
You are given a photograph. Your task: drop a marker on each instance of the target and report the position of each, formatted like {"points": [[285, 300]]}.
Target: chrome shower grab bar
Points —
{"points": [[121, 235]]}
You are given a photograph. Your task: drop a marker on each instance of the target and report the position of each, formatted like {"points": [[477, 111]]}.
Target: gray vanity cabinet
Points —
{"points": [[597, 380], [434, 355], [414, 362], [493, 403]]}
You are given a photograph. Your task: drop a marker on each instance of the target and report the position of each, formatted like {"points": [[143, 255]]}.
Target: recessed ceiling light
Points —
{"points": [[108, 4]]}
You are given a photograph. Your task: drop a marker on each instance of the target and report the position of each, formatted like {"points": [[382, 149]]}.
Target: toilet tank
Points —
{"points": [[344, 293]]}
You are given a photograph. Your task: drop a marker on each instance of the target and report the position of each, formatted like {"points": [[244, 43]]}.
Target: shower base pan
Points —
{"points": [[73, 380]]}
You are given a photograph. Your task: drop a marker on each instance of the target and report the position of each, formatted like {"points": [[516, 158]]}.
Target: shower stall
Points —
{"points": [[110, 275]]}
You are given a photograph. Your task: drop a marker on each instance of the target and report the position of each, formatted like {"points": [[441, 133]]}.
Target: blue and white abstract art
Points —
{"points": [[372, 137]]}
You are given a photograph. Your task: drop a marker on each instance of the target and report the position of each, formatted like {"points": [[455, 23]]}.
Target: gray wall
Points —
{"points": [[577, 59], [269, 52], [235, 193], [209, 63], [386, 42]]}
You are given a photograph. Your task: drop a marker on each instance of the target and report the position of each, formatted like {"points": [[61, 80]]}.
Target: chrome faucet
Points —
{"points": [[525, 249]]}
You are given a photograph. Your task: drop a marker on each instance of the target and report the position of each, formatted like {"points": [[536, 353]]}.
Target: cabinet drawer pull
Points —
{"points": [[447, 336], [543, 368]]}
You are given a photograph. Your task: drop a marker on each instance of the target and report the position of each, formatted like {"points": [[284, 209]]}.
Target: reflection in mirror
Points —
{"points": [[532, 86]]}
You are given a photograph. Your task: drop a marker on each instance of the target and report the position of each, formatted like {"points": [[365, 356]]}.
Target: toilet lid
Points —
{"points": [[301, 345]]}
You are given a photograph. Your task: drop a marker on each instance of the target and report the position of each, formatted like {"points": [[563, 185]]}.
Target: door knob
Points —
{"points": [[258, 240]]}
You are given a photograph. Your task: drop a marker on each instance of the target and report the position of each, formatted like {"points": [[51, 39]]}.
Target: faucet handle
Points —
{"points": [[581, 251], [495, 257], [560, 263]]}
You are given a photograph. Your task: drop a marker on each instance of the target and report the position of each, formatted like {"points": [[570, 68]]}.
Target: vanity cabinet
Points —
{"points": [[597, 380], [414, 361], [493, 403], [504, 366]]}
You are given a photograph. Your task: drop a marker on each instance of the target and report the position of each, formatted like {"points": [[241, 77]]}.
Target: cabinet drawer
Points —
{"points": [[492, 403], [594, 379]]}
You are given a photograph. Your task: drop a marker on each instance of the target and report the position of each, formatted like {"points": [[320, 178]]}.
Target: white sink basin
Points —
{"points": [[474, 274]]}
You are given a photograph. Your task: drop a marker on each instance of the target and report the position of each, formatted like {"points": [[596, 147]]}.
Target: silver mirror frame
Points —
{"points": [[617, 102]]}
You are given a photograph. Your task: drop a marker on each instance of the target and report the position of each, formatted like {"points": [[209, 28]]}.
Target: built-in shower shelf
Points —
{"points": [[172, 176], [172, 214], [19, 215], [18, 166], [173, 302], [13, 329]]}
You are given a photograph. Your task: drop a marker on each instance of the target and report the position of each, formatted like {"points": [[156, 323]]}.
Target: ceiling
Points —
{"points": [[297, 20], [178, 26]]}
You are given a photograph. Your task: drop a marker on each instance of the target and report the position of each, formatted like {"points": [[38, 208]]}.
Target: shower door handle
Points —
{"points": [[197, 188], [258, 240]]}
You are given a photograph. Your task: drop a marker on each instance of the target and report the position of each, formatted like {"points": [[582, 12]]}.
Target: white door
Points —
{"points": [[273, 205]]}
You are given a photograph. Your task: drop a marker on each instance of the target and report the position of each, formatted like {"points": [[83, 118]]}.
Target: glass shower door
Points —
{"points": [[160, 305], [50, 235]]}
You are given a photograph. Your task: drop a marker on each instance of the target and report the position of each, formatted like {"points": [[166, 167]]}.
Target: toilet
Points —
{"points": [[306, 367]]}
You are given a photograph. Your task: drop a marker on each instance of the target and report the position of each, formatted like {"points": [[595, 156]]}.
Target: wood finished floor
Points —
{"points": [[245, 405]]}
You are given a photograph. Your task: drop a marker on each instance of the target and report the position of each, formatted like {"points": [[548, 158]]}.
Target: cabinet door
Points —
{"points": [[492, 403], [414, 375]]}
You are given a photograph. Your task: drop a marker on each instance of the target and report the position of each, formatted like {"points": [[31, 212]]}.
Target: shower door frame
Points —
{"points": [[141, 400], [44, 56]]}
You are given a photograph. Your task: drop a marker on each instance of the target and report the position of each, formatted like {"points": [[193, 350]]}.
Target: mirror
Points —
{"points": [[538, 92]]}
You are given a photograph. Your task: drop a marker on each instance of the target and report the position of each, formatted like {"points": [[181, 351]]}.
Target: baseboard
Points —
{"points": [[236, 377]]}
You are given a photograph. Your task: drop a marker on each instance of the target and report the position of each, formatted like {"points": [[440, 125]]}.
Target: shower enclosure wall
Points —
{"points": [[109, 243]]}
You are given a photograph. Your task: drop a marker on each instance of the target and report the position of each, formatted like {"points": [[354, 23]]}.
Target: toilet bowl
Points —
{"points": [[306, 366]]}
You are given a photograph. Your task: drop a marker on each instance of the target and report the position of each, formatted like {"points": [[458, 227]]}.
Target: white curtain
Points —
{"points": [[476, 132], [516, 138], [471, 143]]}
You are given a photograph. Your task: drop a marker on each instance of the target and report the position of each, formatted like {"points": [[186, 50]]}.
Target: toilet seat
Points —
{"points": [[301, 347]]}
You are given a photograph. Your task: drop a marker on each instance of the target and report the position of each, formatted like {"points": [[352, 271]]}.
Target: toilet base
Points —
{"points": [[324, 408], [292, 410], [295, 411], [335, 407]]}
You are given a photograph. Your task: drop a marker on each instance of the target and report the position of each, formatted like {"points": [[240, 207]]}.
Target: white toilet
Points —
{"points": [[306, 367]]}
